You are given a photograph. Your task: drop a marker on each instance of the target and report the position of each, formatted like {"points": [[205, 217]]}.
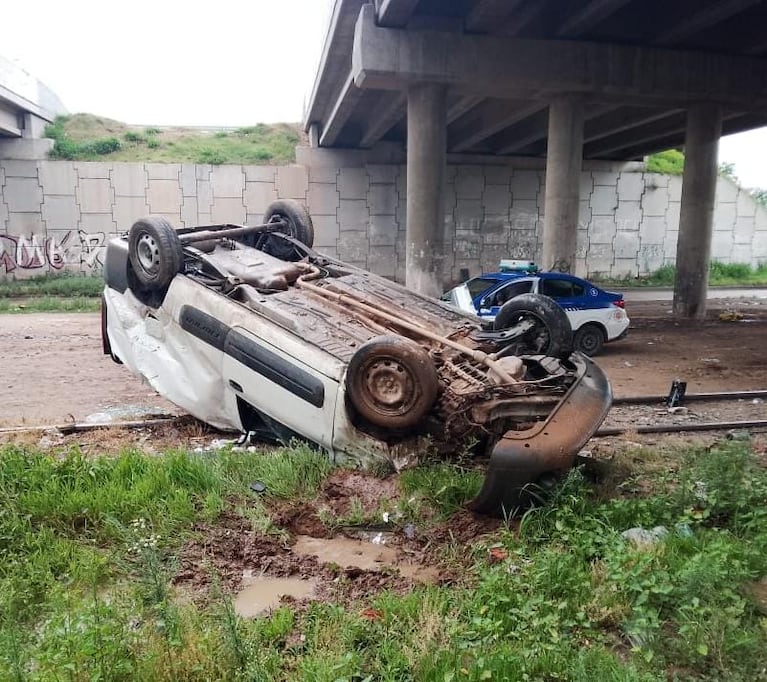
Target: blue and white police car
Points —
{"points": [[596, 316]]}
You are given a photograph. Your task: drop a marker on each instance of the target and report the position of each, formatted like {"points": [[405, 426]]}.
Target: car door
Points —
{"points": [[570, 294], [287, 390], [491, 303]]}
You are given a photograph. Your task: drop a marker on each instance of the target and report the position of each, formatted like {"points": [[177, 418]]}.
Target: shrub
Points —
{"points": [[211, 156], [670, 162]]}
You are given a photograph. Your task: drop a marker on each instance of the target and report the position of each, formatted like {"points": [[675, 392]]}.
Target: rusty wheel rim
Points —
{"points": [[389, 386]]}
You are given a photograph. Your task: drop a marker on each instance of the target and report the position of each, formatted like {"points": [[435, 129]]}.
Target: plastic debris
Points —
{"points": [[642, 537]]}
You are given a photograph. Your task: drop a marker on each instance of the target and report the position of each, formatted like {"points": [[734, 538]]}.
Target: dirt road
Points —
{"points": [[52, 369]]}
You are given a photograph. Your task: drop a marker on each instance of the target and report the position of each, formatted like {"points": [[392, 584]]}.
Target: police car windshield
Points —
{"points": [[479, 284]]}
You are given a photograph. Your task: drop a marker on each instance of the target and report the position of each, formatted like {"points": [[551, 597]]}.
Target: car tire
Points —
{"points": [[155, 253], [589, 339], [296, 218], [391, 382], [552, 334]]}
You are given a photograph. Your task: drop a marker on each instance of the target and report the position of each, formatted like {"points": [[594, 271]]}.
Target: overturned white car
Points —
{"points": [[248, 328]]}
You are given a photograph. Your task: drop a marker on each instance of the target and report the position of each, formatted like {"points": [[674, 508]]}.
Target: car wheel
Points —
{"points": [[392, 382], [551, 333], [298, 222], [155, 253], [589, 339]]}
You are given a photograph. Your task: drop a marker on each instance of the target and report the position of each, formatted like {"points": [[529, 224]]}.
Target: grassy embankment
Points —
{"points": [[719, 275], [85, 137], [51, 293], [89, 548]]}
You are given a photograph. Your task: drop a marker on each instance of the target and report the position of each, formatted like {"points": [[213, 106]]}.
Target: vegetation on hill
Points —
{"points": [[670, 162], [85, 137]]}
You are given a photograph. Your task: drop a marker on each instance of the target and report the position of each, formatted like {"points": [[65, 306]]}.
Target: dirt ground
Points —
{"points": [[52, 369]]}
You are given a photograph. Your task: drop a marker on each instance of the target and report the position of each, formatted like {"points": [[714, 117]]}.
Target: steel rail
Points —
{"points": [[692, 397], [680, 428]]}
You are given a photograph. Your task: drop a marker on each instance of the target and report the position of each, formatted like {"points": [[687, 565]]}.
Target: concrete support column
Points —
{"points": [[563, 180], [696, 219], [426, 161]]}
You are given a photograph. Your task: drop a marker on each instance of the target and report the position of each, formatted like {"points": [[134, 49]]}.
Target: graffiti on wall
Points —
{"points": [[40, 252]]}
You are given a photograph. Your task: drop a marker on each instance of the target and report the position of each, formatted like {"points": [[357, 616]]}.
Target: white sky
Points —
{"points": [[222, 63], [165, 62]]}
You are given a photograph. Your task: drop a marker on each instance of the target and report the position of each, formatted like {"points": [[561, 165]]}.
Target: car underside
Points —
{"points": [[248, 328]]}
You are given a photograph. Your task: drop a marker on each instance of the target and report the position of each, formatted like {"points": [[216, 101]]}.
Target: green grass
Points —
{"points": [[87, 551], [50, 304], [70, 286], [720, 274], [51, 293], [670, 162], [86, 137]]}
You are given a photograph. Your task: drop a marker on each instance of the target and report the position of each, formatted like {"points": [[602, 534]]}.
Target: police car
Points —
{"points": [[596, 316]]}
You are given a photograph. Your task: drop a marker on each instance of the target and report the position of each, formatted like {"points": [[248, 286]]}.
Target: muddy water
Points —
{"points": [[262, 594], [367, 556]]}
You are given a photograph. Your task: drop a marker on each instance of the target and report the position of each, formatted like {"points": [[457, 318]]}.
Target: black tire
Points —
{"points": [[552, 334], [391, 382], [589, 339], [155, 253], [298, 222]]}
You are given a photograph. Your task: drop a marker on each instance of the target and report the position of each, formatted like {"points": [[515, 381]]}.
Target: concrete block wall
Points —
{"points": [[57, 215]]}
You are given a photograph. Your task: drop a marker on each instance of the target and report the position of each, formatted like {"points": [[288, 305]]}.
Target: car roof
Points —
{"points": [[541, 275]]}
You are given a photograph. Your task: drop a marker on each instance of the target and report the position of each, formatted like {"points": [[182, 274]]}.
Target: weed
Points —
{"points": [[133, 136], [720, 274], [66, 285], [48, 304], [211, 156], [670, 162], [444, 486], [152, 131]]}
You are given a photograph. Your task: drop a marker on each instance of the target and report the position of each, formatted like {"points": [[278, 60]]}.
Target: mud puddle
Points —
{"points": [[366, 556], [261, 594]]}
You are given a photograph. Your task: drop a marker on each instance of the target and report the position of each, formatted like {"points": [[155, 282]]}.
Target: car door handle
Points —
{"points": [[235, 385]]}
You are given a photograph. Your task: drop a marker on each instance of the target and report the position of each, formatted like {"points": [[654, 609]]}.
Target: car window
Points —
{"points": [[511, 290], [558, 288], [577, 289], [479, 284]]}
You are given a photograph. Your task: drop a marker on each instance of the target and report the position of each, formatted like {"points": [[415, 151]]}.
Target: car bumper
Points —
{"points": [[520, 458]]}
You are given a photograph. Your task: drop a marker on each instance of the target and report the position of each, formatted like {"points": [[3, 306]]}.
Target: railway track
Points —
{"points": [[724, 411]]}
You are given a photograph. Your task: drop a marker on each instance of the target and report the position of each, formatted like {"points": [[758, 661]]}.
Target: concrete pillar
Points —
{"points": [[693, 249], [563, 177], [426, 161]]}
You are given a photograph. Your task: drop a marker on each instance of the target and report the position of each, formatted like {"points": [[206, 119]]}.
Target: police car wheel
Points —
{"points": [[589, 339]]}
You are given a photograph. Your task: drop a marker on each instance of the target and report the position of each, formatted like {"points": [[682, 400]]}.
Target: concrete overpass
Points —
{"points": [[26, 107], [587, 79]]}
